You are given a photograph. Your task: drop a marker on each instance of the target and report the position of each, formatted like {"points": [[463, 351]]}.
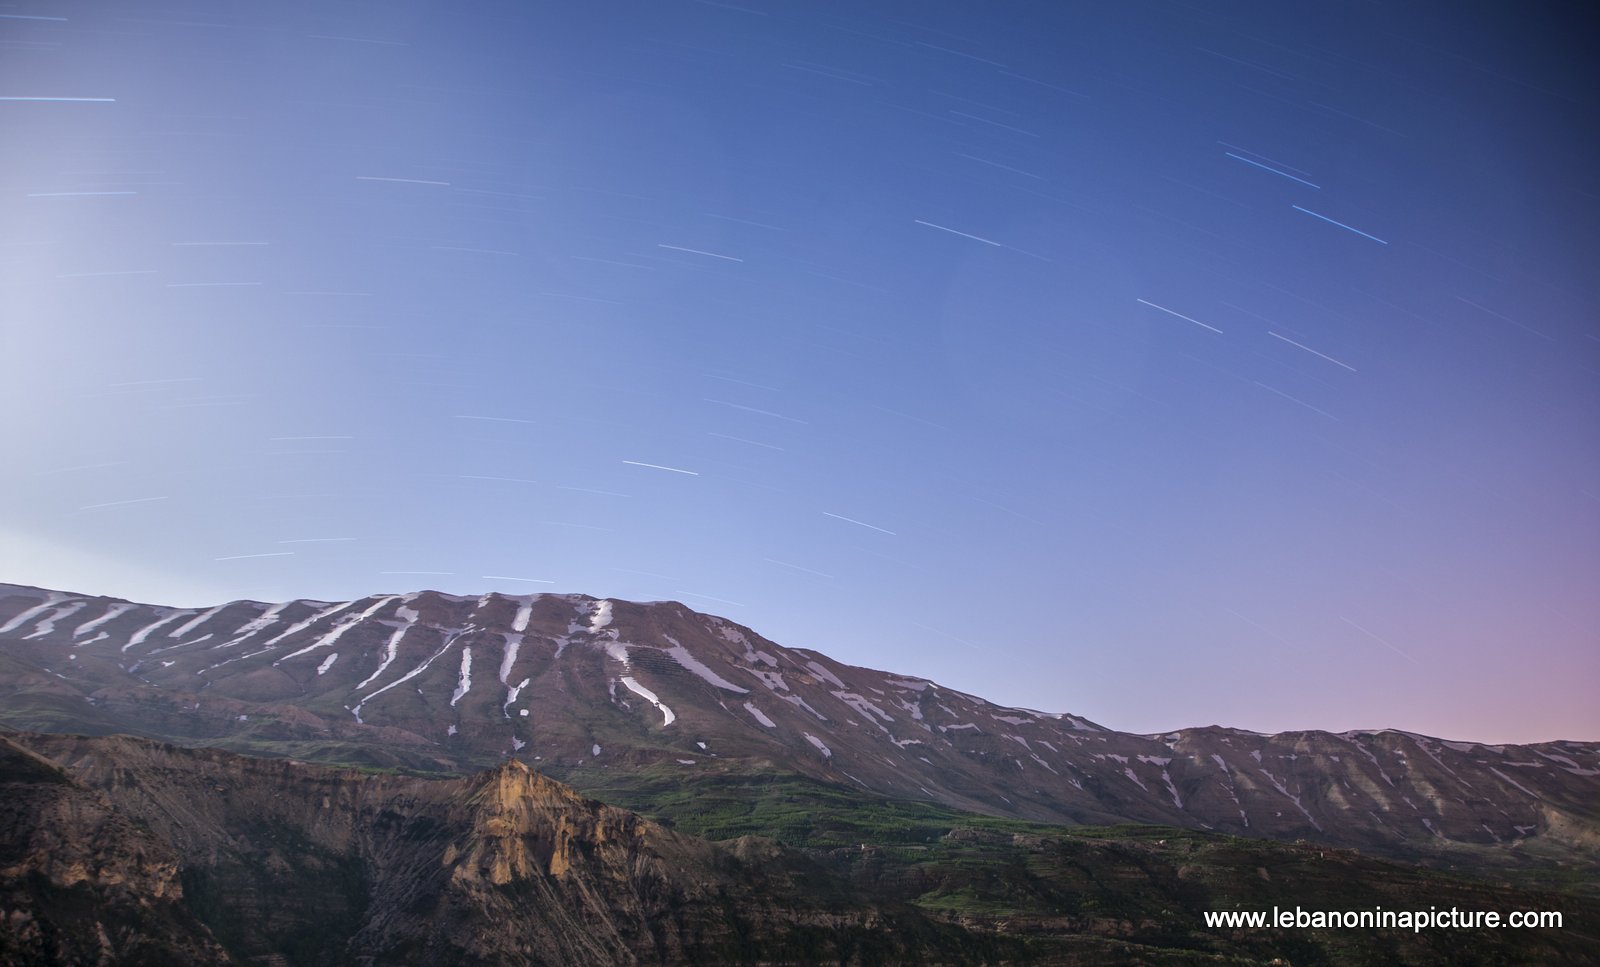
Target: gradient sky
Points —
{"points": [[1166, 363]]}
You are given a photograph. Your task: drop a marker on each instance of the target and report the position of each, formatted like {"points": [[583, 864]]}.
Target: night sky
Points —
{"points": [[1166, 363]]}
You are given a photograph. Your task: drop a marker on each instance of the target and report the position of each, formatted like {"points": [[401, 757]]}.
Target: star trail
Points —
{"points": [[1188, 362]]}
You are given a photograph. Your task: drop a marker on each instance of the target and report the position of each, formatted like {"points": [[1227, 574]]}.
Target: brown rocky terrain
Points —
{"points": [[122, 851], [82, 883], [287, 862]]}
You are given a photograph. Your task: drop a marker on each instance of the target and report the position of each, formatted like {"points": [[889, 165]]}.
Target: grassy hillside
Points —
{"points": [[1071, 890]]}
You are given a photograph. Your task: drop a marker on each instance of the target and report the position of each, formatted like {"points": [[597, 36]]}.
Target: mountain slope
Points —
{"points": [[294, 864], [80, 882], [323, 866], [596, 689]]}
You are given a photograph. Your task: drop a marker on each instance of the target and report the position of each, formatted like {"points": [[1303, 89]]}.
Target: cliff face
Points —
{"points": [[604, 885], [524, 825], [323, 866], [80, 883]]}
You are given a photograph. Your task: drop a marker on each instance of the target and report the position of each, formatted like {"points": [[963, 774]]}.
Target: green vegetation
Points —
{"points": [[1070, 891], [791, 809]]}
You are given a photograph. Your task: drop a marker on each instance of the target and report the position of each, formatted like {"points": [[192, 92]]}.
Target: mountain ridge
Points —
{"points": [[283, 861], [208, 856], [592, 688]]}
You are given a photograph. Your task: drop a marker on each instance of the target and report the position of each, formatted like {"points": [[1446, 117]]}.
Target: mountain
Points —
{"points": [[291, 862], [622, 696], [121, 851]]}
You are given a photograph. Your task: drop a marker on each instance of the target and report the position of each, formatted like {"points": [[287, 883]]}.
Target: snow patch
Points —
{"points": [[595, 750], [914, 684], [600, 618], [1294, 799], [391, 647], [265, 620], [734, 635], [649, 696], [1368, 753], [801, 703], [511, 697], [51, 600], [183, 644], [331, 637], [300, 626], [683, 657], [464, 678], [48, 625], [509, 658], [145, 632], [824, 674], [195, 622], [111, 614], [760, 716], [860, 704], [327, 663], [1176, 799], [826, 752], [449, 641], [773, 680], [1568, 764], [1514, 782], [520, 622]]}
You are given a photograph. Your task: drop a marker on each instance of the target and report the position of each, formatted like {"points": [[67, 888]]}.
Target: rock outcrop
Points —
{"points": [[283, 861], [80, 883]]}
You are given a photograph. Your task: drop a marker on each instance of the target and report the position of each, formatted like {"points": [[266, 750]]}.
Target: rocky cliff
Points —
{"points": [[286, 861], [81, 883]]}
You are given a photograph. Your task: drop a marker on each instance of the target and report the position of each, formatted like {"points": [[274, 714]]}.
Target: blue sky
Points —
{"points": [[1163, 363]]}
